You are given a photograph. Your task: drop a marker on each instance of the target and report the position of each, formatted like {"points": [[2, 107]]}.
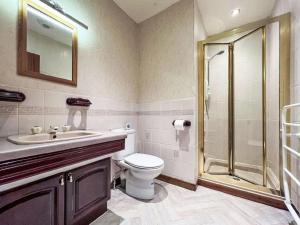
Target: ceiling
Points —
{"points": [[216, 14], [140, 10]]}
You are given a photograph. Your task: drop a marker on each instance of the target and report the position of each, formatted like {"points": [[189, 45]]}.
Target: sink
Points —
{"points": [[47, 138]]}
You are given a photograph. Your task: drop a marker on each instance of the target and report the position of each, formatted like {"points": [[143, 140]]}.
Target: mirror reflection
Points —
{"points": [[49, 45]]}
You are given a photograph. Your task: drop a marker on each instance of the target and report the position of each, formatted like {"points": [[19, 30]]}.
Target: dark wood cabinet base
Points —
{"points": [[87, 191], [75, 197], [38, 203], [16, 169], [100, 211]]}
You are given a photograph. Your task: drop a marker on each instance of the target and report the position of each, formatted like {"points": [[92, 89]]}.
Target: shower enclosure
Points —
{"points": [[243, 88]]}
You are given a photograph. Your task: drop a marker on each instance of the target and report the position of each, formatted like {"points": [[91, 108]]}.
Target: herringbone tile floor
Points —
{"points": [[177, 206]]}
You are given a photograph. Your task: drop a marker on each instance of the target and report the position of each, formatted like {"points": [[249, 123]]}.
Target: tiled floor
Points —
{"points": [[177, 206]]}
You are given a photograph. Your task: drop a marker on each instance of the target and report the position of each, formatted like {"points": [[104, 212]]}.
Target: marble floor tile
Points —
{"points": [[177, 206]]}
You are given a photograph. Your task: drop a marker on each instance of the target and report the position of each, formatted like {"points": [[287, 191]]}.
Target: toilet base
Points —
{"points": [[138, 188]]}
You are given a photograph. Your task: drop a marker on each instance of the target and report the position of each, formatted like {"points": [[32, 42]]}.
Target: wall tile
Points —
{"points": [[55, 99], [175, 148], [55, 120], [8, 125], [26, 122]]}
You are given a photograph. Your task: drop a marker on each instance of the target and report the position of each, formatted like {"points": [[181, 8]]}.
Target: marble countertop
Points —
{"points": [[9, 151]]}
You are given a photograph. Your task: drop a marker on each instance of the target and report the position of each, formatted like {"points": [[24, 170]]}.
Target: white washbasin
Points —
{"points": [[47, 138]]}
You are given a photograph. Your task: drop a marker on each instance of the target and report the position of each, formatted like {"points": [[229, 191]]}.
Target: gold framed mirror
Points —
{"points": [[47, 45]]}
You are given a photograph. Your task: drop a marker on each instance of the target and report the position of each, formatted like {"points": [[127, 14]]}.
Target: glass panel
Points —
{"points": [[248, 116], [272, 105], [216, 109]]}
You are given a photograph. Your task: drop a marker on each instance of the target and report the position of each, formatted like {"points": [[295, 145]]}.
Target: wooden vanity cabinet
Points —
{"points": [[87, 192], [38, 203], [76, 197]]}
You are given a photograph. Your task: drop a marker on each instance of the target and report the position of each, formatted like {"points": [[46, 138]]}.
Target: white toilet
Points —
{"points": [[141, 169]]}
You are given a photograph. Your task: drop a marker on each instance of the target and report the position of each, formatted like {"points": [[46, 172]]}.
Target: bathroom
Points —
{"points": [[149, 112]]}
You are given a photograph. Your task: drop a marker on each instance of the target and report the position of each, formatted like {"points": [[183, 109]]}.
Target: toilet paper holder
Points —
{"points": [[186, 123]]}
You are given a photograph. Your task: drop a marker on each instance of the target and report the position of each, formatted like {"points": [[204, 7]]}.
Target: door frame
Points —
{"points": [[284, 76]]}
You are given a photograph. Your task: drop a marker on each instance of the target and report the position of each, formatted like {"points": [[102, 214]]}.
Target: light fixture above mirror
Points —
{"points": [[56, 8]]}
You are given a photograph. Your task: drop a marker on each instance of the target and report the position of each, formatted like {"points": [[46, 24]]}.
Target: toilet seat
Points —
{"points": [[144, 161]]}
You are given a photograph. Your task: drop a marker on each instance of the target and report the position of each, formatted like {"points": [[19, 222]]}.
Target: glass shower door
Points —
{"points": [[216, 108], [248, 107]]}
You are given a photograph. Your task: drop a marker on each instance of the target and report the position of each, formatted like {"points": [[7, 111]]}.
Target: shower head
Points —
{"points": [[218, 53]]}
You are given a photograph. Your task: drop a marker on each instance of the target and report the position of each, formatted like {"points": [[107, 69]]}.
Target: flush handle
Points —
{"points": [[61, 180], [70, 177]]}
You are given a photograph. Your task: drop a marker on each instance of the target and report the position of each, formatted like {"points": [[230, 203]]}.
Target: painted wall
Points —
{"points": [[166, 48], [293, 6], [168, 87]]}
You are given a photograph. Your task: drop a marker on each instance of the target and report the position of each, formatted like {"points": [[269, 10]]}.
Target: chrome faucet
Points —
{"points": [[52, 131]]}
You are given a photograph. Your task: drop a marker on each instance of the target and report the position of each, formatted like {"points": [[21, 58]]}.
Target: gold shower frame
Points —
{"points": [[284, 80]]}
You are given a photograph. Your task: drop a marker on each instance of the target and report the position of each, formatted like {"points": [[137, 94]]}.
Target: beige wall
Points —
{"points": [[168, 87], [293, 6], [166, 54]]}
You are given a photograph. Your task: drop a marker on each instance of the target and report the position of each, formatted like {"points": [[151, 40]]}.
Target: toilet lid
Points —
{"points": [[144, 161]]}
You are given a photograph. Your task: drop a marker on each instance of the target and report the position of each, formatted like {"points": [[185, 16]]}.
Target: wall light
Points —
{"points": [[59, 12], [47, 18], [235, 12]]}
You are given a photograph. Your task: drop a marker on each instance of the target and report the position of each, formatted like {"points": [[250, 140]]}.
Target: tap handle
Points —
{"points": [[54, 127]]}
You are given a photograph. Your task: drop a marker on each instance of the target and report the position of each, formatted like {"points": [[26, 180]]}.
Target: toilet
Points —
{"points": [[139, 169]]}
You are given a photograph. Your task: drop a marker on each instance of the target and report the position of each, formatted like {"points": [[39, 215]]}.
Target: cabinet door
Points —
{"points": [[88, 190], [38, 203]]}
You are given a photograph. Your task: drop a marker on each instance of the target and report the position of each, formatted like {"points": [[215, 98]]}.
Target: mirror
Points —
{"points": [[48, 45]]}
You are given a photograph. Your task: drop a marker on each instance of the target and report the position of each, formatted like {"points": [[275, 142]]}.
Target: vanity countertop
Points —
{"points": [[10, 151]]}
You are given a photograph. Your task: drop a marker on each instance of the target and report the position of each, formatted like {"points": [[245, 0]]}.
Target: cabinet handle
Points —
{"points": [[70, 177], [61, 180]]}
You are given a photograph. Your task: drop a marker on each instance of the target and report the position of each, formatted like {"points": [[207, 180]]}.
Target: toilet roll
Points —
{"points": [[179, 124]]}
